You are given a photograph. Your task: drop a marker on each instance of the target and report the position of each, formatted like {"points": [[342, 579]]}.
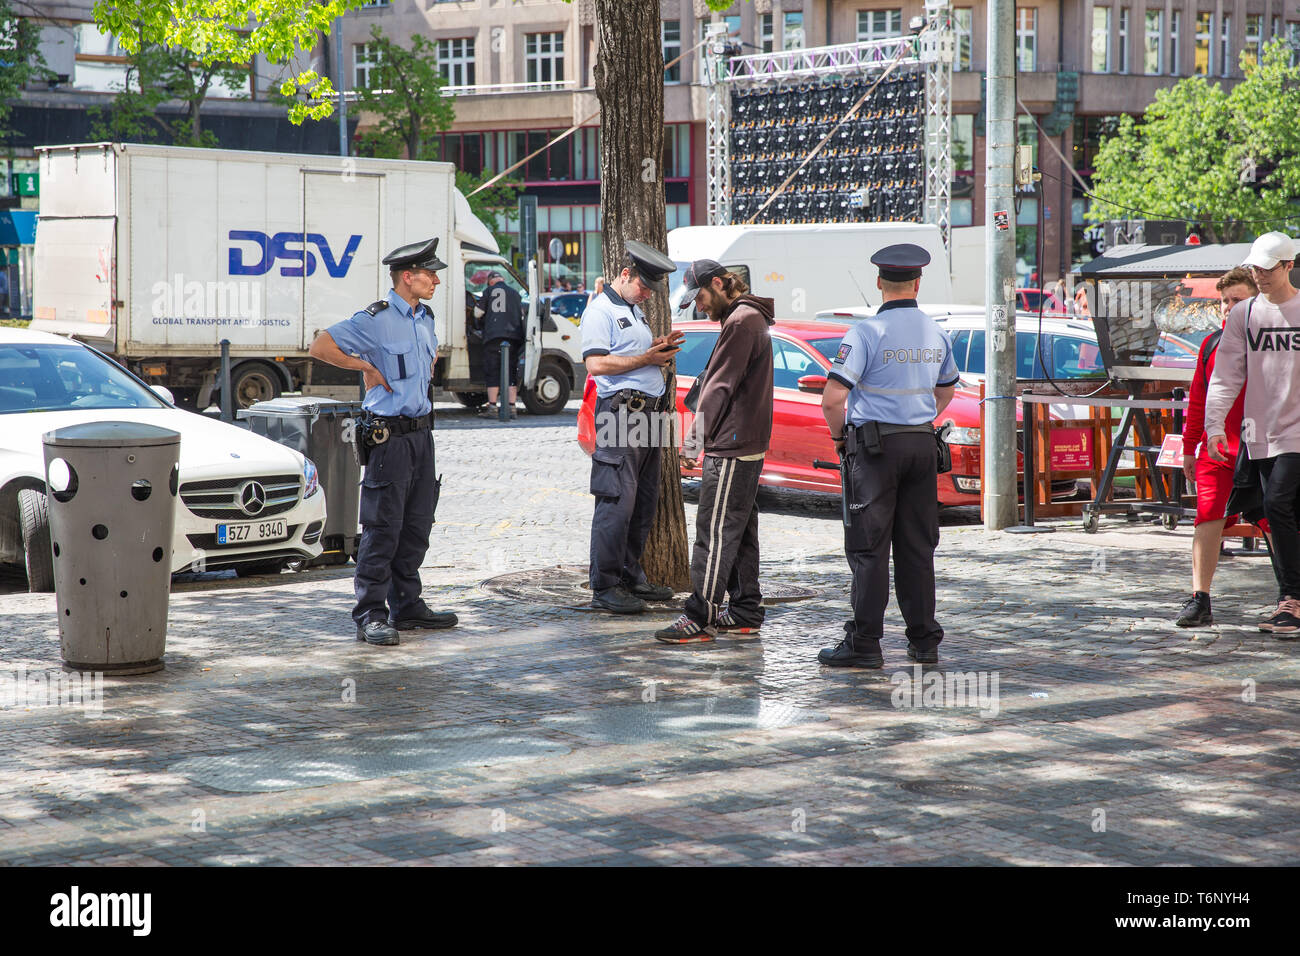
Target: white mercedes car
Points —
{"points": [[245, 502]]}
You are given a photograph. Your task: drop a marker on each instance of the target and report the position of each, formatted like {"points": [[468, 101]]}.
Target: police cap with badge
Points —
{"points": [[416, 255], [901, 262], [650, 264]]}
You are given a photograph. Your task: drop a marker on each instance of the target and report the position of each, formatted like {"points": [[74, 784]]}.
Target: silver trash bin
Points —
{"points": [[112, 499], [320, 429]]}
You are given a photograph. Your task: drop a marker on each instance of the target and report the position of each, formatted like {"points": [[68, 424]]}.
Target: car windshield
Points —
{"points": [[57, 378], [828, 347]]}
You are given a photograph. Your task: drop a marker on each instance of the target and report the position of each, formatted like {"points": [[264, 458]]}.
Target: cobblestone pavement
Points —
{"points": [[541, 734]]}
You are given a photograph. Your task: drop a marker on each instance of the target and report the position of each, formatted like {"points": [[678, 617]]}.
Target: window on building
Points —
{"points": [[1254, 40], [1026, 39], [1225, 44], [879, 24], [463, 149], [672, 41], [456, 61], [365, 61], [766, 38], [1174, 66], [1293, 38], [677, 150], [733, 37], [1122, 59], [1101, 39], [544, 57], [1153, 41], [792, 34], [963, 22], [1201, 63]]}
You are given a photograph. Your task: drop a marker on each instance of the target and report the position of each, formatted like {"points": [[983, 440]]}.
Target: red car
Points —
{"points": [[802, 353]]}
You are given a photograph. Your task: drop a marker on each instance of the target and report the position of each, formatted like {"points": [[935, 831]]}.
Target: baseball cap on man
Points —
{"points": [[700, 273], [1270, 249]]}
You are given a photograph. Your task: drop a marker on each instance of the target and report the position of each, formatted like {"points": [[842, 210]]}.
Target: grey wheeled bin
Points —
{"points": [[321, 429], [112, 500]]}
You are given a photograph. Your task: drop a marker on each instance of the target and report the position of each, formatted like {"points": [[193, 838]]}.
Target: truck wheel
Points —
{"points": [[551, 392], [34, 517], [471, 400], [254, 382]]}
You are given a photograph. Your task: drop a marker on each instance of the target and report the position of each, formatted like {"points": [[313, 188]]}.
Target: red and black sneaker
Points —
{"points": [[726, 624], [685, 631]]}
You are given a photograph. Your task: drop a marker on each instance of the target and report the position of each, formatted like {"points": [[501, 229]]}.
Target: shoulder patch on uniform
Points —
{"points": [[374, 308], [843, 353], [623, 321]]}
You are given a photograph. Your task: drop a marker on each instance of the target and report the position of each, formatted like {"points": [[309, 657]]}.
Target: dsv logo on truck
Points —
{"points": [[289, 246]]}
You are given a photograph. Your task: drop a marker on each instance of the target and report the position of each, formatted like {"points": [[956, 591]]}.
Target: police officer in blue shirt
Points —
{"points": [[626, 359], [393, 344], [896, 373]]}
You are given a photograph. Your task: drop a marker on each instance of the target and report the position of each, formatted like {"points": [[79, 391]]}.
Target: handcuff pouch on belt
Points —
{"points": [[368, 433], [945, 453], [868, 438]]}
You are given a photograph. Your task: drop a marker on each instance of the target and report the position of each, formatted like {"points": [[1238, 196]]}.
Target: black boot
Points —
{"points": [[1196, 612]]}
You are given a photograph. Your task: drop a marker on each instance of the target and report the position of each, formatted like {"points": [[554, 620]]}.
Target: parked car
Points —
{"points": [[570, 305], [1034, 300], [48, 382], [802, 354]]}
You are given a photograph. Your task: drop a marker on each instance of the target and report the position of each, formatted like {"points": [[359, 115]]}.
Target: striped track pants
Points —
{"points": [[725, 558]]}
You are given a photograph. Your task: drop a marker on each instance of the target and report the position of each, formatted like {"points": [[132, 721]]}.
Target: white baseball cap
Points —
{"points": [[1270, 249]]}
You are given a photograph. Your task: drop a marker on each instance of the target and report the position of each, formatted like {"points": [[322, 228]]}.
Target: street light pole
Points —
{"points": [[1000, 498], [343, 103]]}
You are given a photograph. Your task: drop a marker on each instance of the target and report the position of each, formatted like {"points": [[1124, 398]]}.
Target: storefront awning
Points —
{"points": [[1165, 262]]}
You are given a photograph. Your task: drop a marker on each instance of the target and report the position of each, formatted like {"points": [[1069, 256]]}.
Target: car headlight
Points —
{"points": [[310, 478], [963, 436]]}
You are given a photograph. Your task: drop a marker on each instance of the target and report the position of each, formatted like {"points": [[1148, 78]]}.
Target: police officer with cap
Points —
{"points": [[895, 372], [626, 360], [393, 344]]}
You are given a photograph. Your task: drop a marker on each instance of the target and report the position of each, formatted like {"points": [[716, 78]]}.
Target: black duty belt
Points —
{"points": [[639, 401], [401, 424], [888, 429]]}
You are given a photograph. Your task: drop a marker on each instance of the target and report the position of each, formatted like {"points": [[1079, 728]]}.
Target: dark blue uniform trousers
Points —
{"points": [[398, 498], [625, 482], [898, 489]]}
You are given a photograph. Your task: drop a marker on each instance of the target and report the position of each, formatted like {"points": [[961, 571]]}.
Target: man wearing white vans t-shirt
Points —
{"points": [[1260, 349]]}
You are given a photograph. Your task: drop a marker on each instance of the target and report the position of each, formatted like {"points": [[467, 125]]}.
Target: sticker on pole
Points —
{"points": [[1001, 221]]}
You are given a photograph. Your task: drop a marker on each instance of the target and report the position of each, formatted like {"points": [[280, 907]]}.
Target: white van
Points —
{"points": [[808, 267]]}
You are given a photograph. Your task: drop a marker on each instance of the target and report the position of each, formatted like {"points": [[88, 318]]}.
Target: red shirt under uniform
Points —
{"points": [[1213, 478]]}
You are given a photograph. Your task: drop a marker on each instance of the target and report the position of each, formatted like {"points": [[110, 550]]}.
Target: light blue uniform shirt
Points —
{"points": [[892, 362], [400, 343], [612, 327]]}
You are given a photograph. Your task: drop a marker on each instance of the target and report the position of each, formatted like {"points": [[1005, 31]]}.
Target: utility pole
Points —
{"points": [[343, 103], [1001, 508]]}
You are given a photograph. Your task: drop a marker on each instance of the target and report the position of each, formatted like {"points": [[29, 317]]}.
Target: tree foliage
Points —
{"points": [[1200, 152], [157, 75], [404, 91], [500, 200], [20, 59], [235, 31]]}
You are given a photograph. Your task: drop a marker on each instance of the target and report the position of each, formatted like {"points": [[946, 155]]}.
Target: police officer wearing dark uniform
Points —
{"points": [[896, 373], [393, 344], [626, 360], [502, 311]]}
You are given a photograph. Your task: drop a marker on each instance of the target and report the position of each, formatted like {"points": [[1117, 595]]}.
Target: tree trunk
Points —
{"points": [[629, 76]]}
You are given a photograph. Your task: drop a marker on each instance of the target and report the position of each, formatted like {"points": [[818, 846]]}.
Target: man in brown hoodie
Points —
{"points": [[732, 427]]}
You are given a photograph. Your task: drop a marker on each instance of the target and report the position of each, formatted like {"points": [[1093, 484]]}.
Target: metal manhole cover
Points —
{"points": [[566, 586], [944, 788], [667, 720], [349, 759]]}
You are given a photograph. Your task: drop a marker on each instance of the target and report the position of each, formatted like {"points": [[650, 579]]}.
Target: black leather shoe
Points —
{"points": [[617, 600], [929, 656], [425, 620], [843, 655], [377, 632], [651, 592]]}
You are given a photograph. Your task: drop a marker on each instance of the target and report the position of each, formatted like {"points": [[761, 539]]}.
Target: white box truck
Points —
{"points": [[156, 254], [809, 267]]}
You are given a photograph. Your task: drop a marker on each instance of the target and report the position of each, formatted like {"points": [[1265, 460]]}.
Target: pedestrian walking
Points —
{"points": [[393, 344], [893, 375], [732, 428], [1213, 479], [1260, 352], [626, 360]]}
